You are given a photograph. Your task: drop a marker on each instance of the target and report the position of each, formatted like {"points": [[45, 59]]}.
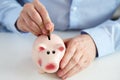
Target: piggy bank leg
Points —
{"points": [[41, 71]]}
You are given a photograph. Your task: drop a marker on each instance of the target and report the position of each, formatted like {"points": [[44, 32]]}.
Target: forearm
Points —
{"points": [[9, 12], [106, 37], [91, 13]]}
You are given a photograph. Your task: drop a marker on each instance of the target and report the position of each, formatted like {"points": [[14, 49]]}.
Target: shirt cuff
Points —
{"points": [[12, 18], [102, 40]]}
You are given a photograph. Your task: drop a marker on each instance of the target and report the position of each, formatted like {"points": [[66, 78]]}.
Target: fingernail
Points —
{"points": [[49, 26], [59, 73], [43, 31], [64, 77], [62, 66]]}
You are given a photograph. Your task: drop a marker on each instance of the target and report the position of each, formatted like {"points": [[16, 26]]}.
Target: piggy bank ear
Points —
{"points": [[41, 48], [60, 47]]}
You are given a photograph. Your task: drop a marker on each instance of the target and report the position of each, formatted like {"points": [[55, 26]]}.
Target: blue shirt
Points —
{"points": [[90, 16]]}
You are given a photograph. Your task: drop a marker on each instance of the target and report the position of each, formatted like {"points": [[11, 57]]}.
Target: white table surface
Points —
{"points": [[16, 62]]}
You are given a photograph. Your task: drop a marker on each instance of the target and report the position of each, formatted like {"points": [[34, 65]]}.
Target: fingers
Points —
{"points": [[66, 40], [82, 63], [31, 25], [36, 18], [71, 72], [74, 60], [23, 25], [44, 15], [68, 54]]}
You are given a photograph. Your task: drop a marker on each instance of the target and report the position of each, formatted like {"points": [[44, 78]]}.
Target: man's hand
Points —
{"points": [[79, 54], [34, 18]]}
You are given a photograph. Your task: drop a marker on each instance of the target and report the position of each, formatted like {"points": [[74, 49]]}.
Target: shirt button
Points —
{"points": [[74, 8]]}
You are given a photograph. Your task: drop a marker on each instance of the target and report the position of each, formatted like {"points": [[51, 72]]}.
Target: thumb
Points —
{"points": [[66, 40], [44, 15]]}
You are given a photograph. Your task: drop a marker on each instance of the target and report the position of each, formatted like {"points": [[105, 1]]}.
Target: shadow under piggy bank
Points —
{"points": [[27, 71]]}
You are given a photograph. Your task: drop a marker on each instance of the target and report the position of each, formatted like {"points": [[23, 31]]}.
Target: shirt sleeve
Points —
{"points": [[106, 37], [9, 12], [86, 14]]}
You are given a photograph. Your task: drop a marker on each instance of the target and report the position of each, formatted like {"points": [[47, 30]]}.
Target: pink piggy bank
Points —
{"points": [[47, 54]]}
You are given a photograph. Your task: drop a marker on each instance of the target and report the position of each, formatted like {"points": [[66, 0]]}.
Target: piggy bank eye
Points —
{"points": [[53, 52], [41, 48], [48, 52]]}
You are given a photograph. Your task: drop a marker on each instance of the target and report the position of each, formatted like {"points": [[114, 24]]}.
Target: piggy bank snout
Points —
{"points": [[51, 66]]}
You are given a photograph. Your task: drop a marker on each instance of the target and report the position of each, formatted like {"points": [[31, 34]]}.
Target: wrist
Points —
{"points": [[96, 51], [17, 28]]}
